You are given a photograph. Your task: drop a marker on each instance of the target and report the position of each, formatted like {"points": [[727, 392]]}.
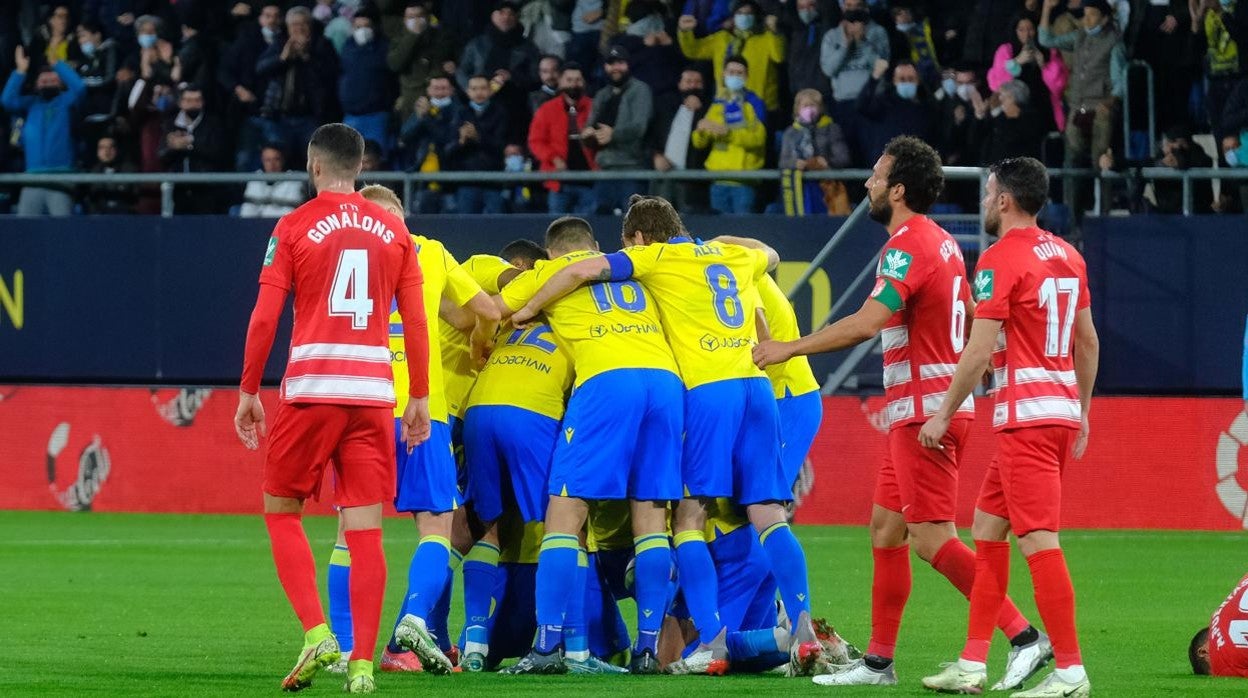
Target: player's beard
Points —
{"points": [[881, 213], [992, 223]]}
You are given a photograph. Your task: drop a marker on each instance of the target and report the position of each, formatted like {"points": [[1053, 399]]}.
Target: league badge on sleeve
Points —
{"points": [[270, 251], [895, 265], [983, 285]]}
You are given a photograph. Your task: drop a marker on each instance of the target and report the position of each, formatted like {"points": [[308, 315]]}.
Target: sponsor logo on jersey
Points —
{"points": [[270, 251], [895, 265], [983, 285]]}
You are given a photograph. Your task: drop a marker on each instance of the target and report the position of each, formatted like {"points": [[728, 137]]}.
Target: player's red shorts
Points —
{"points": [[359, 440], [920, 482], [1024, 481]]}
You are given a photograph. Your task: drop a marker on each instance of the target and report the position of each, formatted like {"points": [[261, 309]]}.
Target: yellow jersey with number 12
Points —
{"points": [[459, 370], [442, 275], [793, 377], [705, 293], [604, 326]]}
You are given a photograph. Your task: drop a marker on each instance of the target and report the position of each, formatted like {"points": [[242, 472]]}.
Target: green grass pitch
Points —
{"points": [[109, 604]]}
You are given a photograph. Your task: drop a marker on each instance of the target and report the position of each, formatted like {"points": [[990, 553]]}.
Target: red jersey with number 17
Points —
{"points": [[345, 257], [922, 278], [1228, 634], [1035, 284]]}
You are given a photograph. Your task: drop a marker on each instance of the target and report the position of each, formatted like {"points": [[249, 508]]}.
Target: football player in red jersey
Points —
{"points": [[1221, 648], [346, 258], [919, 306], [1031, 290]]}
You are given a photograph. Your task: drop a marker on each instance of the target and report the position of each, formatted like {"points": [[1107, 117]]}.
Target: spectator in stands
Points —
{"points": [[751, 37], [1011, 128], [196, 59], [109, 198], [263, 199], [956, 103], [848, 54], [508, 58], [366, 87], [336, 20], [654, 57], [617, 129], [300, 79], [518, 196], [98, 70], [480, 134], [805, 28], [814, 142], [587, 16], [155, 57], [1066, 20], [1161, 42], [1097, 81], [1224, 28], [548, 71], [1178, 152], [671, 142], [1234, 194], [1044, 72], [430, 128], [374, 158], [902, 106], [150, 100], [711, 15], [734, 129], [194, 141], [918, 45], [47, 135], [555, 141], [55, 39], [237, 76], [421, 51]]}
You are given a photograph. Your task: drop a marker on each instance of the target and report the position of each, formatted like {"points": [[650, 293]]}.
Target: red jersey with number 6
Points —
{"points": [[1228, 634], [1035, 284], [921, 277], [345, 257]]}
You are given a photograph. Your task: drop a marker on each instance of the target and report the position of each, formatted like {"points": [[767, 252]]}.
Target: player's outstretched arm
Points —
{"points": [[865, 324], [261, 330], [976, 357], [486, 318], [1087, 360], [561, 284], [773, 257]]}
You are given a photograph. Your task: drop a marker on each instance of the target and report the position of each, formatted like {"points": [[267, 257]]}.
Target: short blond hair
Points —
{"points": [[383, 196], [807, 94]]}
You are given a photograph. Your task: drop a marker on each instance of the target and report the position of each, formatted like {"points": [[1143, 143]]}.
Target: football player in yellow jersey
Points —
{"points": [[426, 477], [625, 374], [705, 293]]}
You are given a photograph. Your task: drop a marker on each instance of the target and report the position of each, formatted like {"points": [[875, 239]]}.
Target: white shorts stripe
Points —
{"points": [[1043, 375], [1036, 408], [348, 387], [896, 374], [936, 370], [354, 352], [895, 338]]}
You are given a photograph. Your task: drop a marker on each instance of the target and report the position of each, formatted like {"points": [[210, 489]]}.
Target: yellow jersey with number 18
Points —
{"points": [[604, 326], [793, 377], [705, 293], [458, 368], [442, 275]]}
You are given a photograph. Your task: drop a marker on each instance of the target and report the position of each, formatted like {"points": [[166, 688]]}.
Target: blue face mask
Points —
{"points": [[147, 40], [1226, 4], [905, 27], [1094, 30], [478, 108], [734, 83], [88, 48], [440, 102], [163, 102], [907, 90], [950, 86], [514, 163], [808, 16], [743, 22]]}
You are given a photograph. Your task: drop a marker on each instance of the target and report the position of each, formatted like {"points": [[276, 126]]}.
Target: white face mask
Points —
{"points": [[362, 35], [965, 92]]}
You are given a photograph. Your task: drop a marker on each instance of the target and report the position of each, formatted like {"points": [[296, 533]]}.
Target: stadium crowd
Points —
{"points": [[112, 86]]}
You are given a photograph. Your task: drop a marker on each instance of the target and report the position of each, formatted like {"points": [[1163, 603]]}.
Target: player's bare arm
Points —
{"points": [[261, 330], [863, 325], [564, 281], [1087, 359], [773, 257], [485, 326], [416, 340], [458, 317], [975, 360]]}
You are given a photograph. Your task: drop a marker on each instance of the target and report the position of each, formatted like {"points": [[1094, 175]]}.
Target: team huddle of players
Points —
{"points": [[620, 436]]}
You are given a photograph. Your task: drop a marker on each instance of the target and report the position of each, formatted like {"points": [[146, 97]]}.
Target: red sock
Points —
{"points": [[296, 569], [1055, 599], [890, 589], [956, 561], [992, 577], [368, 587]]}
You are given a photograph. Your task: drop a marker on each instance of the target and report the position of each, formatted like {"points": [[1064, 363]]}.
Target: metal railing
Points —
{"points": [[410, 180], [1152, 109]]}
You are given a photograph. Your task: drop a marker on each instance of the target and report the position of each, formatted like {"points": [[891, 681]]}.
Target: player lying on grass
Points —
{"points": [[1221, 648]]}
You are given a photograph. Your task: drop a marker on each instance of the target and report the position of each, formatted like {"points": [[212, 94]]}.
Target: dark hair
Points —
{"points": [[568, 231], [189, 87], [738, 60], [557, 59], [654, 217], [341, 147], [274, 145], [91, 25], [1025, 179], [1200, 665], [442, 76], [524, 249], [478, 76], [916, 166], [571, 65]]}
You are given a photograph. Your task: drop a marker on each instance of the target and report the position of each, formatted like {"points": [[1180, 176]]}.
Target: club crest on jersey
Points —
{"points": [[895, 265], [270, 251], [983, 285]]}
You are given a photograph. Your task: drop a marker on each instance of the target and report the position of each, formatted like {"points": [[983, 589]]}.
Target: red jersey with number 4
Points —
{"points": [[345, 257], [1228, 634], [1035, 284], [921, 276]]}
